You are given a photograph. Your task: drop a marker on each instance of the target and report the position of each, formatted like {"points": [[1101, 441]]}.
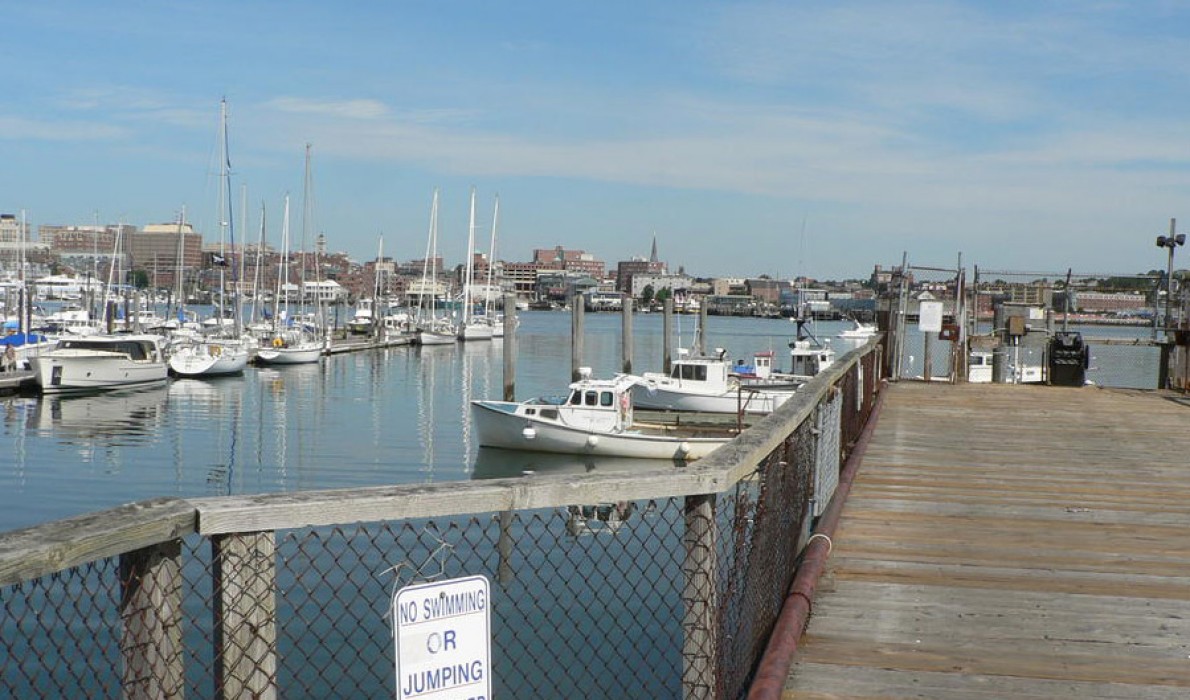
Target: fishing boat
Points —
{"points": [[808, 355], [100, 362], [707, 384], [595, 418]]}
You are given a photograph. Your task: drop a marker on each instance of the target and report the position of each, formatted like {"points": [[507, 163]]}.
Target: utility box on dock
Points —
{"points": [[1068, 359]]}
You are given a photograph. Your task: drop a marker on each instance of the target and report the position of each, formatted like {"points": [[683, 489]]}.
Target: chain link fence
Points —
{"points": [[665, 585]]}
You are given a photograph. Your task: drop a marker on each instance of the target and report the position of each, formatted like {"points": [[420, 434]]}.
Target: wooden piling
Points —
{"points": [[510, 323], [626, 334], [245, 602], [667, 344], [150, 603], [576, 336], [701, 348]]}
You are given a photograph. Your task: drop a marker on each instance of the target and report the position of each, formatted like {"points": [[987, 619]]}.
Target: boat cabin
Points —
{"points": [[808, 360]]}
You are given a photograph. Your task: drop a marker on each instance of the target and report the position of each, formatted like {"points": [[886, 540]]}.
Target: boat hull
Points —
{"points": [[497, 424], [289, 355], [208, 360], [753, 402], [475, 331], [57, 373]]}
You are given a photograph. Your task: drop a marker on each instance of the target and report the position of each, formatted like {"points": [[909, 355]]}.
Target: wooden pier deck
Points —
{"points": [[1010, 542]]}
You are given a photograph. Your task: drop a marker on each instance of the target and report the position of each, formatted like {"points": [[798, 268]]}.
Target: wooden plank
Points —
{"points": [[1007, 541], [45, 549]]}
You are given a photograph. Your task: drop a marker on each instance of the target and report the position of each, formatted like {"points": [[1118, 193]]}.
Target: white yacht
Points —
{"points": [[100, 362]]}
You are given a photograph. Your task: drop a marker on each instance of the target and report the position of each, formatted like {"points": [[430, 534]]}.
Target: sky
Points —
{"points": [[778, 138]]}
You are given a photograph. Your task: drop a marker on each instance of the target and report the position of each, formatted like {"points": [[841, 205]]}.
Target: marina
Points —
{"points": [[283, 428]]}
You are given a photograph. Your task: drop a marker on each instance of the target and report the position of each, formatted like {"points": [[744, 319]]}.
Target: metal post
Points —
{"points": [[510, 324], [576, 336], [667, 342], [626, 348]]}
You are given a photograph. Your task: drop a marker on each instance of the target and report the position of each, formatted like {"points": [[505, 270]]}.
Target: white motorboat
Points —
{"points": [[100, 362], [707, 385], [209, 358], [859, 332], [594, 419]]}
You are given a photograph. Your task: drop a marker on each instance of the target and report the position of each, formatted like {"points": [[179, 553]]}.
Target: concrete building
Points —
{"points": [[559, 258]]}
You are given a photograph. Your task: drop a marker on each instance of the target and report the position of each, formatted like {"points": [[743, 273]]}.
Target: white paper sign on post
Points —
{"points": [[929, 317]]}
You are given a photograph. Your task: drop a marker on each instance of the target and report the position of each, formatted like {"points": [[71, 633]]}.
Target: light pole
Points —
{"points": [[1171, 241]]}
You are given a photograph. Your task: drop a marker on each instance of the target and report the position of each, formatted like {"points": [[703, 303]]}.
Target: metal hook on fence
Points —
{"points": [[417, 572]]}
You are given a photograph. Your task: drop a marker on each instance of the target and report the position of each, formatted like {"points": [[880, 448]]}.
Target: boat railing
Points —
{"points": [[666, 588]]}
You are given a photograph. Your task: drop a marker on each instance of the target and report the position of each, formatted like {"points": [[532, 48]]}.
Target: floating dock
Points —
{"points": [[1010, 541]]}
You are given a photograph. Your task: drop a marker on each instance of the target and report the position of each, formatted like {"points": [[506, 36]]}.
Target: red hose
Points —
{"points": [[778, 655]]}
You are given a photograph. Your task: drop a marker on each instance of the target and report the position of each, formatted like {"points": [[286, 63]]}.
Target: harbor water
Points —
{"points": [[371, 418]]}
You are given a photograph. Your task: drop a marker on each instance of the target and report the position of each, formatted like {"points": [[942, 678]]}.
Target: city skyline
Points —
{"points": [[750, 138]]}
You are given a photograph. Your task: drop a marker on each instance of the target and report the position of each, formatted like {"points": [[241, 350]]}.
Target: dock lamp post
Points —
{"points": [[1171, 241]]}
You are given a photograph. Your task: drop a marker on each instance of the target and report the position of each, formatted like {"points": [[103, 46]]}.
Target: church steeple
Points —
{"points": [[653, 255]]}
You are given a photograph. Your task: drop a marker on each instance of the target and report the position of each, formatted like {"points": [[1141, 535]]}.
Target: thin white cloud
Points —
{"points": [[17, 128], [351, 109]]}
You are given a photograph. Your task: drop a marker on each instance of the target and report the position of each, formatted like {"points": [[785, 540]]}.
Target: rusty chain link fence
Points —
{"points": [[664, 584]]}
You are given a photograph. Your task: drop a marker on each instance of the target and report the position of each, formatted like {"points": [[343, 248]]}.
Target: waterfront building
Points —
{"points": [[559, 258], [674, 283]]}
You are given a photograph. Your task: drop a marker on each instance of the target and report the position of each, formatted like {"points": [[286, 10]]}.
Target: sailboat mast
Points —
{"points": [[179, 291], [256, 269], [282, 269], [225, 213], [470, 263], [487, 294]]}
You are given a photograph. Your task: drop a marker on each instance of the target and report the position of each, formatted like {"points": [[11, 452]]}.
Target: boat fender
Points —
{"points": [[216, 350], [277, 342], [592, 440], [529, 432], [683, 449]]}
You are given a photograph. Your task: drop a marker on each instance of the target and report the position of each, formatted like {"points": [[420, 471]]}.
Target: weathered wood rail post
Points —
{"points": [[245, 580], [626, 333], [150, 613], [510, 324], [576, 336], [699, 642]]}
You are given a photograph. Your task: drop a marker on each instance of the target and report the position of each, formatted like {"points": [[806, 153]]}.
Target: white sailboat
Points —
{"points": [[495, 320], [225, 350], [289, 344], [470, 327], [432, 329]]}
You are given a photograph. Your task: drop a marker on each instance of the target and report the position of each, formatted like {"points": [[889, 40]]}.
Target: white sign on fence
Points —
{"points": [[929, 317], [442, 633]]}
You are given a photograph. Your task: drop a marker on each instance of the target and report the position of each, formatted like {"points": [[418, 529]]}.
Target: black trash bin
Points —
{"points": [[1068, 359]]}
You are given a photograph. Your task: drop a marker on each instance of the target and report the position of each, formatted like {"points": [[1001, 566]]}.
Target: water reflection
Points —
{"points": [[496, 463], [109, 419]]}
